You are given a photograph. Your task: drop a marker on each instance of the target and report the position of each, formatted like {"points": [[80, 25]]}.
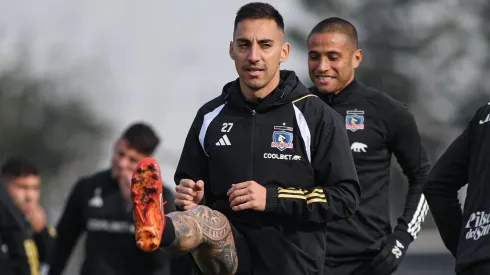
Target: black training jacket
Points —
{"points": [[466, 160], [96, 206], [22, 251], [294, 145], [378, 127]]}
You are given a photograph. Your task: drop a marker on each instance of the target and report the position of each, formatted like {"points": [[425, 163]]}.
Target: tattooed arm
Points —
{"points": [[207, 234]]}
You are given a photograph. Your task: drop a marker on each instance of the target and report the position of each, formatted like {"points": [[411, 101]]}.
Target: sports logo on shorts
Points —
{"points": [[282, 138], [354, 120]]}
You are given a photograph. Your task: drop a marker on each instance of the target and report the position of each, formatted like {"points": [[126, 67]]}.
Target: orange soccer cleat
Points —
{"points": [[147, 197]]}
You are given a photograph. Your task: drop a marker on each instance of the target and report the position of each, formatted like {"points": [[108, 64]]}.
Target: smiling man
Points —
{"points": [[377, 126], [264, 166]]}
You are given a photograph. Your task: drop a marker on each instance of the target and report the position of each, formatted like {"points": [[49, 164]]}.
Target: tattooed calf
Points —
{"points": [[207, 234]]}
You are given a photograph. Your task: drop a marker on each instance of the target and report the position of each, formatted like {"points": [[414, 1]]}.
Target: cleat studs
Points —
{"points": [[151, 167], [139, 170], [154, 176], [134, 180], [150, 190]]}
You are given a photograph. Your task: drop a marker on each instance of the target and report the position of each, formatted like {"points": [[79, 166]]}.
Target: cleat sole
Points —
{"points": [[147, 194]]}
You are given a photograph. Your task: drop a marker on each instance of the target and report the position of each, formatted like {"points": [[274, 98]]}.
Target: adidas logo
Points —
{"points": [[223, 141]]}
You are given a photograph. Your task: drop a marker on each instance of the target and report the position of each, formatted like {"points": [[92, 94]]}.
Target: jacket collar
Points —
{"points": [[332, 99], [289, 89]]}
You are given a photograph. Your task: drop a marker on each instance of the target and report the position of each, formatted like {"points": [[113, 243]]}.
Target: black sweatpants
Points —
{"points": [[349, 268], [481, 268]]}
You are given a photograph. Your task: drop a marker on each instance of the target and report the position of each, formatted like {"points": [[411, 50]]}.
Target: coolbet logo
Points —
{"points": [[478, 225], [281, 156], [282, 138], [354, 120]]}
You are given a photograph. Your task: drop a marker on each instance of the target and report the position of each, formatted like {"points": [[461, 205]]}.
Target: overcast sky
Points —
{"points": [[136, 60]]}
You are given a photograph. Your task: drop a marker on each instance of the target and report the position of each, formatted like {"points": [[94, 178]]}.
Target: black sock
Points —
{"points": [[168, 232]]}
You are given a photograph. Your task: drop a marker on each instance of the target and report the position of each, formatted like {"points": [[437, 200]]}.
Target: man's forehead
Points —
{"points": [[28, 180], [258, 29], [329, 40]]}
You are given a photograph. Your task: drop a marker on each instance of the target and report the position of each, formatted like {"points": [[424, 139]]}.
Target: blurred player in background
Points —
{"points": [[378, 126], [99, 205], [466, 161], [26, 239]]}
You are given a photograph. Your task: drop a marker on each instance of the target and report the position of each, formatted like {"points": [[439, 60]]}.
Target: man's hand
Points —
{"points": [[189, 193], [247, 195], [37, 218], [390, 255], [124, 181]]}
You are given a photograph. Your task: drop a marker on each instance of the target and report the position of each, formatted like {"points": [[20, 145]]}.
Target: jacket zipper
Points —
{"points": [[252, 145]]}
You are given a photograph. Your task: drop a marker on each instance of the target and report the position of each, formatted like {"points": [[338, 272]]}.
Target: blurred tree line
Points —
{"points": [[57, 133], [420, 53]]}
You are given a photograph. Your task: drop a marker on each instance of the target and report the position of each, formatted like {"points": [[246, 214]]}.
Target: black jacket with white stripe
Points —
{"points": [[378, 126], [22, 251], [466, 160], [95, 206], [294, 145]]}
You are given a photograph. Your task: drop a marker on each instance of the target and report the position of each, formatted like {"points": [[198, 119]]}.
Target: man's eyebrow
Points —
{"points": [[243, 40], [261, 41], [266, 40], [327, 52]]}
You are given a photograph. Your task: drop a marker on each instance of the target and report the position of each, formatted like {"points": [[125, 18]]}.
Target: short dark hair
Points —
{"points": [[18, 166], [258, 10], [336, 24], [141, 137]]}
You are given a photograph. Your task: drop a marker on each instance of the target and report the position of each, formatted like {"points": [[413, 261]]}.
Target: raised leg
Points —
{"points": [[207, 235], [203, 232]]}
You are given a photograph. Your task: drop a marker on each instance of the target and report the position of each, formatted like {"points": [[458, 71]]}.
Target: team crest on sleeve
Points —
{"points": [[354, 120], [282, 138]]}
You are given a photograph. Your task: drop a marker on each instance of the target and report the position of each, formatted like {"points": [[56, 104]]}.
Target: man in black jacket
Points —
{"points": [[6, 206], [99, 205], [465, 233], [377, 126], [26, 239], [269, 163]]}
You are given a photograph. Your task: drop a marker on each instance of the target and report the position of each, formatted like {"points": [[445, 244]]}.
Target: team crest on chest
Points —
{"points": [[354, 120], [282, 137]]}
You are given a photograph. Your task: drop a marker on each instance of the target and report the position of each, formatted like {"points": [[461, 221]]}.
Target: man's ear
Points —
{"points": [[231, 51], [116, 144], [356, 61], [285, 51]]}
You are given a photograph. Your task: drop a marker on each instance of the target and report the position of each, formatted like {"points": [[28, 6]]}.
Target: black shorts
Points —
{"points": [[479, 268], [243, 255]]}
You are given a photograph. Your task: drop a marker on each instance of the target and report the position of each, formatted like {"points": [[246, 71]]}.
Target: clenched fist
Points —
{"points": [[247, 195], [189, 193]]}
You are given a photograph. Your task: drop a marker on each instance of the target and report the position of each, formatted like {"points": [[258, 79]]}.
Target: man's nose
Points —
{"points": [[324, 65], [123, 163], [254, 55]]}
